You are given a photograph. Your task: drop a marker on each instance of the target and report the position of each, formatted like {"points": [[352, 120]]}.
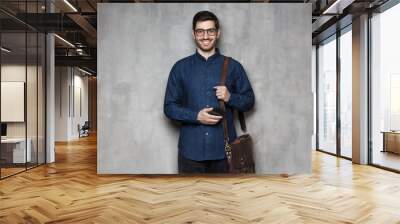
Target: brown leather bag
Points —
{"points": [[239, 153]]}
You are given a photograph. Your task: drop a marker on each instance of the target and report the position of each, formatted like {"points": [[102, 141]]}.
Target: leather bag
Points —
{"points": [[239, 152]]}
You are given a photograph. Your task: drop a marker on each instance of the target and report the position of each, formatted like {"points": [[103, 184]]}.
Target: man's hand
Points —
{"points": [[222, 93], [205, 118]]}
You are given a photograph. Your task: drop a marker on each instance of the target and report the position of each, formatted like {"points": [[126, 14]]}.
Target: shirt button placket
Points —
{"points": [[208, 81], [207, 144]]}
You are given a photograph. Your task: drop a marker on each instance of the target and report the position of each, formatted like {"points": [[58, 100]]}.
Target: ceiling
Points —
{"points": [[76, 22]]}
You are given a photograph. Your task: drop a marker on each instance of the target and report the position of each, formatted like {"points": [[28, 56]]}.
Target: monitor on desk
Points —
{"points": [[3, 130]]}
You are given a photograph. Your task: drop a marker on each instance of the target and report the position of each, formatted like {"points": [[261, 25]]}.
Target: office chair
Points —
{"points": [[84, 130]]}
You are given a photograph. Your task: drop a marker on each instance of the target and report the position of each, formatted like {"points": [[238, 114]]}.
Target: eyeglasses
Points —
{"points": [[201, 32]]}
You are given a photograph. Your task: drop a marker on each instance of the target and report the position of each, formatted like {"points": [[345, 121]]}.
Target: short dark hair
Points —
{"points": [[204, 16]]}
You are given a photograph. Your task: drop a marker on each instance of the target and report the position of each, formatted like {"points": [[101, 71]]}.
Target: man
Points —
{"points": [[193, 91]]}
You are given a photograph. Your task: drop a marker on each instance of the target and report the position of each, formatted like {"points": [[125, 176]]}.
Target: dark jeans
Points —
{"points": [[187, 166]]}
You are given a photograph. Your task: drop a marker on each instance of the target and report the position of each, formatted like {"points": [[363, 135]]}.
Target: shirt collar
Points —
{"points": [[211, 58]]}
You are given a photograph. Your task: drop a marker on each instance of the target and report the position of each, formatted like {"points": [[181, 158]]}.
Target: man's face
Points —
{"points": [[206, 35]]}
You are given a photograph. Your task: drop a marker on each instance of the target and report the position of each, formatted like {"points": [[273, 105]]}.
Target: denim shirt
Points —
{"points": [[190, 88]]}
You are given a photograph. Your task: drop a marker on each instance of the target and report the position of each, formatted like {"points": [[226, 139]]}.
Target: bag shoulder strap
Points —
{"points": [[242, 120]]}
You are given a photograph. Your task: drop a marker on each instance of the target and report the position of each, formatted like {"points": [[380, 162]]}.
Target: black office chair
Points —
{"points": [[84, 130]]}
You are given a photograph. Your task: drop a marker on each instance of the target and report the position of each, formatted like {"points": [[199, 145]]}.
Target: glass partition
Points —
{"points": [[32, 95], [22, 101], [41, 91], [13, 95]]}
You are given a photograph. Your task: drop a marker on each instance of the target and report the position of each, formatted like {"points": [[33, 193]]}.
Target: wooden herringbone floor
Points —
{"points": [[70, 191]]}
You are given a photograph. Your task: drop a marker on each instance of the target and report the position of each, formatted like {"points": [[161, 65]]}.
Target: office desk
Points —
{"points": [[391, 141], [13, 150]]}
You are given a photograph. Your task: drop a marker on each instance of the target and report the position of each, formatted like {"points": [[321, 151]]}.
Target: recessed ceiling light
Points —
{"points": [[338, 6], [70, 5], [64, 40], [5, 49], [86, 72]]}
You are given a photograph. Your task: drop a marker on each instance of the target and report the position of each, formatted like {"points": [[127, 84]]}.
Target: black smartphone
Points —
{"points": [[217, 112]]}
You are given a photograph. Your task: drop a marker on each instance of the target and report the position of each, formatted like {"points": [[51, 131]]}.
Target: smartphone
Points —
{"points": [[217, 112]]}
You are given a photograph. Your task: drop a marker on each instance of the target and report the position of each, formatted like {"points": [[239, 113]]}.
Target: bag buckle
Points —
{"points": [[228, 150]]}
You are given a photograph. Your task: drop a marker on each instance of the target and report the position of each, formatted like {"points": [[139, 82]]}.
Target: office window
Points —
{"points": [[385, 90], [327, 95], [314, 91], [346, 93]]}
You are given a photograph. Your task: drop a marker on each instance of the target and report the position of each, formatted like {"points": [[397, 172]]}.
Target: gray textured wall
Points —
{"points": [[139, 43]]}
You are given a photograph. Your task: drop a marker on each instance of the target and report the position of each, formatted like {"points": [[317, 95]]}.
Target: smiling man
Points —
{"points": [[193, 92]]}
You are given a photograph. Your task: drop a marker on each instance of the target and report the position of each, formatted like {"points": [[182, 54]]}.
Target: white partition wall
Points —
{"points": [[12, 98]]}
